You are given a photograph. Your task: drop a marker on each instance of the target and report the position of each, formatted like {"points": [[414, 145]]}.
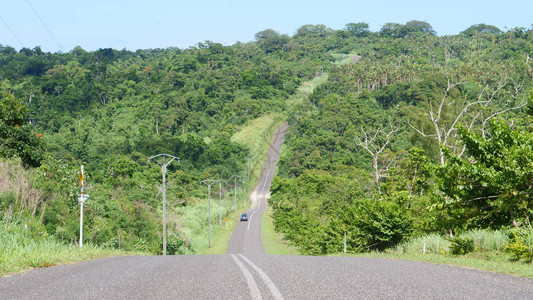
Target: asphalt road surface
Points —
{"points": [[238, 276], [246, 273], [246, 238]]}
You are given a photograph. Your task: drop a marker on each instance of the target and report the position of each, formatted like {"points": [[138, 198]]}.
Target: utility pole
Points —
{"points": [[209, 183], [81, 201], [235, 178], [220, 200], [164, 160]]}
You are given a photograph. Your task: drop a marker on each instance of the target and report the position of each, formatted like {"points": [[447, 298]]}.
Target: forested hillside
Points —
{"points": [[110, 110], [418, 134], [411, 133]]}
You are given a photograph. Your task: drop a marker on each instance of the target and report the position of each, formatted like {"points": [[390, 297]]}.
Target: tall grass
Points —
{"points": [[484, 240], [17, 192], [434, 244], [488, 240], [20, 249], [489, 254], [194, 219]]}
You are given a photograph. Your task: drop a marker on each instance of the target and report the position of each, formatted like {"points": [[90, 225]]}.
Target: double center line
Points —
{"points": [[254, 290]]}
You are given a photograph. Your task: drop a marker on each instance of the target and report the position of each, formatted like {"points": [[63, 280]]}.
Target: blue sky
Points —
{"points": [[143, 24]]}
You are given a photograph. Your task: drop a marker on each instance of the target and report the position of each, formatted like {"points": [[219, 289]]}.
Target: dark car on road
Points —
{"points": [[244, 217]]}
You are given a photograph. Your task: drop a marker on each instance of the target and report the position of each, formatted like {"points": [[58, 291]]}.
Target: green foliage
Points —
{"points": [[461, 246], [12, 110], [521, 247], [410, 28], [484, 240], [372, 225], [481, 29], [529, 107], [493, 188], [519, 251], [177, 244], [357, 29], [17, 139], [110, 110], [434, 244], [323, 174]]}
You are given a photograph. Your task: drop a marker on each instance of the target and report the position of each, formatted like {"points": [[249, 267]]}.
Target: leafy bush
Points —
{"points": [[521, 248], [373, 225], [381, 225], [461, 246], [177, 244]]}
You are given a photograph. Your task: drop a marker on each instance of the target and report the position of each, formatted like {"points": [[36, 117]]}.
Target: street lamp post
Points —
{"points": [[164, 160], [235, 178], [220, 200], [209, 183]]}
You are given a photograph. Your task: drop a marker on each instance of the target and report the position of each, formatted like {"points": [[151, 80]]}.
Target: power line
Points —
{"points": [[46, 27], [12, 32]]}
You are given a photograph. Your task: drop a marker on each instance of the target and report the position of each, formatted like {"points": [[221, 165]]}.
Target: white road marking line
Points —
{"points": [[254, 290], [271, 286]]}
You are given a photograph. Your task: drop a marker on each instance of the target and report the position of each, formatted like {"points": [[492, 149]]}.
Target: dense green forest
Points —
{"points": [[411, 133], [419, 134], [111, 110]]}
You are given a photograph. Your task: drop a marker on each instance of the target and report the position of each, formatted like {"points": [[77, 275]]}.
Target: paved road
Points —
{"points": [[246, 237], [238, 276]]}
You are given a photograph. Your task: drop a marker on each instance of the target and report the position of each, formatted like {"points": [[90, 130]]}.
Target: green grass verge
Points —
{"points": [[492, 261], [20, 251], [489, 252], [221, 237], [272, 240]]}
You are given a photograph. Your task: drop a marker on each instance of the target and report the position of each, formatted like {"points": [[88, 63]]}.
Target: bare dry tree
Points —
{"points": [[471, 114], [499, 103], [375, 141]]}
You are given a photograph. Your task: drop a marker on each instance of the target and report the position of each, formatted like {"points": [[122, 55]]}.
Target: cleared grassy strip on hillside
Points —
{"points": [[344, 59], [305, 90], [20, 252], [256, 136]]}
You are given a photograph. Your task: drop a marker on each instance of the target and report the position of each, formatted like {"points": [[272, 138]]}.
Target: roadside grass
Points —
{"points": [[489, 252], [194, 222], [273, 241], [220, 240], [492, 261], [21, 251]]}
